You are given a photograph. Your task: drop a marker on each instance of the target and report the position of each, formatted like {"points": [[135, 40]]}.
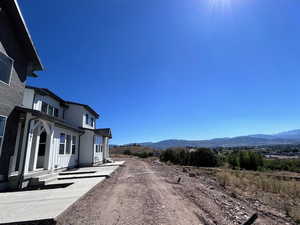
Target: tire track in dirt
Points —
{"points": [[145, 193]]}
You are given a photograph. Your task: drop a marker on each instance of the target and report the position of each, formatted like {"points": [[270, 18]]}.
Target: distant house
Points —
{"points": [[18, 60], [56, 135]]}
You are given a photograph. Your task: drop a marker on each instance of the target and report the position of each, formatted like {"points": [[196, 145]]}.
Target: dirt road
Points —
{"points": [[144, 193]]}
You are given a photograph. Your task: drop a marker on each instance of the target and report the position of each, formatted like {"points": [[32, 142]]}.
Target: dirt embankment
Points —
{"points": [[146, 192]]}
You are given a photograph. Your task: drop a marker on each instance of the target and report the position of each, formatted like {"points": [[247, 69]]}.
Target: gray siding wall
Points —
{"points": [[11, 95]]}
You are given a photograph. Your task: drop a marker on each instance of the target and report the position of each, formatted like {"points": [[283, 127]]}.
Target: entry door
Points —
{"points": [[42, 150]]}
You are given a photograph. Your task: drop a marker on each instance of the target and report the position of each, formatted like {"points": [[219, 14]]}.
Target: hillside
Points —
{"points": [[288, 137]]}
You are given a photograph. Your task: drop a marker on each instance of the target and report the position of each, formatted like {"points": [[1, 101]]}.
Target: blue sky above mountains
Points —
{"points": [[168, 69]]}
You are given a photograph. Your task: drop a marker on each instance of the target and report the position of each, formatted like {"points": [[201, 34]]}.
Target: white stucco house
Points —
{"points": [[55, 135]]}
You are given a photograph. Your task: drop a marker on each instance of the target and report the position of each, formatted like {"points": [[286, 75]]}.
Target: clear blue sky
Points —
{"points": [[161, 69]]}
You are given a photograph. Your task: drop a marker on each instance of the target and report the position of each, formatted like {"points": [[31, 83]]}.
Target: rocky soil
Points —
{"points": [[148, 192]]}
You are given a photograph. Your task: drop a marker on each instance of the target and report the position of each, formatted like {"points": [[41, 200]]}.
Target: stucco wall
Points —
{"points": [[76, 114], [73, 115], [86, 156], [28, 98]]}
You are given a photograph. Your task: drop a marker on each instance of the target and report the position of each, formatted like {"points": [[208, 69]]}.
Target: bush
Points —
{"points": [[127, 152], [201, 157], [292, 165], [143, 154], [245, 160]]}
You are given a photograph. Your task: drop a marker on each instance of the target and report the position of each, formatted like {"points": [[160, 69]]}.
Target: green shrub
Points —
{"points": [[201, 157], [245, 160], [127, 152]]}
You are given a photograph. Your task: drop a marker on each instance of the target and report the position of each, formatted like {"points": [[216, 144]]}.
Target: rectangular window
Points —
{"points": [[68, 149], [86, 119], [62, 144], [56, 112], [73, 145], [92, 122], [44, 107], [50, 110], [2, 129], [6, 64]]}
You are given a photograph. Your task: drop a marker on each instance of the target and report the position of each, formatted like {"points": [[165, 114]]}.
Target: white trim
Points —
{"points": [[4, 128], [11, 69]]}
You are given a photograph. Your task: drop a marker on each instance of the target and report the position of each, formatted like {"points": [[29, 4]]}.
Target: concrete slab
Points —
{"points": [[47, 204]]}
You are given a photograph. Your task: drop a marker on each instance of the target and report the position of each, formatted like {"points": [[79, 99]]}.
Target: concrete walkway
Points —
{"points": [[35, 205]]}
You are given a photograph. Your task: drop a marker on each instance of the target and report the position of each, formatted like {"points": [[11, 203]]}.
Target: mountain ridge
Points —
{"points": [[286, 137]]}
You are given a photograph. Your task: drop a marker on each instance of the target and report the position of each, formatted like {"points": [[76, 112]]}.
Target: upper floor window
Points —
{"points": [[56, 112], [2, 129], [49, 109], [6, 64], [92, 121], [86, 118], [44, 107]]}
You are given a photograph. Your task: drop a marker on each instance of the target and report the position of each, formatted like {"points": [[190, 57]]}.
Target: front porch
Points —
{"points": [[32, 155]]}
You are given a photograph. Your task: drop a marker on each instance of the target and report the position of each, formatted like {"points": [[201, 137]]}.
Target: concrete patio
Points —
{"points": [[47, 204]]}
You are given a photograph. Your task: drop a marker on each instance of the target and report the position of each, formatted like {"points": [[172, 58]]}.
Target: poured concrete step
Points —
{"points": [[68, 177], [76, 172], [43, 179]]}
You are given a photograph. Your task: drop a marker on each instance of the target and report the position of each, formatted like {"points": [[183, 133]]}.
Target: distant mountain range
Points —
{"points": [[288, 137]]}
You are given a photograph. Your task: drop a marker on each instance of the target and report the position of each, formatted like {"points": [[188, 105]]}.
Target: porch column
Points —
{"points": [[23, 147], [36, 143], [28, 147], [49, 154]]}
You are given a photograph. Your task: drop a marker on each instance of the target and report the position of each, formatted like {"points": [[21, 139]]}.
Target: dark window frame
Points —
{"points": [[62, 144], [4, 57], [86, 118], [2, 134], [92, 121], [50, 110], [56, 112], [74, 141], [46, 109]]}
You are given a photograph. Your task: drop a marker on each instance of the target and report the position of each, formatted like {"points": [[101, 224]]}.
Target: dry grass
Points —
{"points": [[281, 194]]}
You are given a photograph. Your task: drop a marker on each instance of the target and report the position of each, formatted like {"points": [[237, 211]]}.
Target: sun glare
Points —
{"points": [[220, 4]]}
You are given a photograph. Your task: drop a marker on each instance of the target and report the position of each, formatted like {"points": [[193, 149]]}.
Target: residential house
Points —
{"points": [[18, 60], [57, 135], [40, 133]]}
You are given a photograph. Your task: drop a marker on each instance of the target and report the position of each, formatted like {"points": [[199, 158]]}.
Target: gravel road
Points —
{"points": [[146, 193]]}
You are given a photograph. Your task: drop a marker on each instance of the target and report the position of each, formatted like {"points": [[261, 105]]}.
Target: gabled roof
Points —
{"points": [[14, 12], [87, 107], [45, 91], [104, 132]]}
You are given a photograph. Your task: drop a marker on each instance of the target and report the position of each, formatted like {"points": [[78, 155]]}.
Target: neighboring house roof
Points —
{"points": [[57, 121], [14, 12], [45, 91], [105, 132], [86, 107]]}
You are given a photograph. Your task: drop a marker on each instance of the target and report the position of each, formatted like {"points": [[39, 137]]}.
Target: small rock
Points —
{"points": [[192, 174]]}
